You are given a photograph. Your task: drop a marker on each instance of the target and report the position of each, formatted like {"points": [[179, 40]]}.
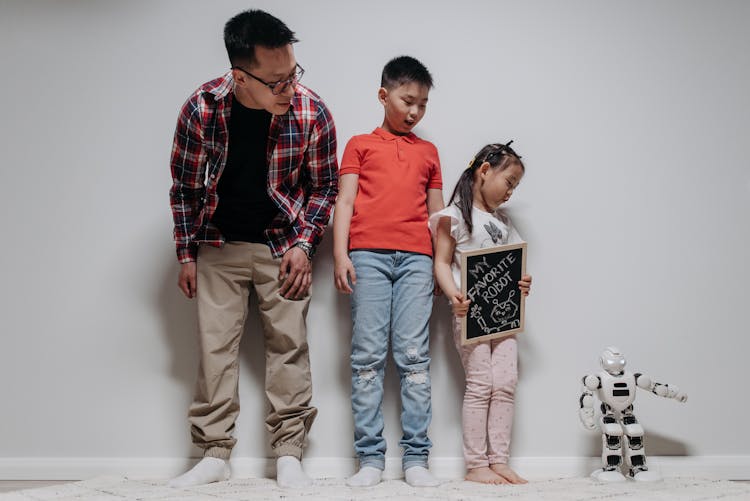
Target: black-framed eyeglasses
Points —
{"points": [[280, 86]]}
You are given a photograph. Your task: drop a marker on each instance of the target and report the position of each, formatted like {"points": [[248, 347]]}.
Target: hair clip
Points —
{"points": [[503, 148]]}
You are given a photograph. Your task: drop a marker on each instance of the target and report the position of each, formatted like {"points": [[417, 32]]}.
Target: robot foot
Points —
{"points": [[608, 476], [647, 476]]}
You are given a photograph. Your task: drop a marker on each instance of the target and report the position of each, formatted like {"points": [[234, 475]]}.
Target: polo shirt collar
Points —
{"points": [[409, 138]]}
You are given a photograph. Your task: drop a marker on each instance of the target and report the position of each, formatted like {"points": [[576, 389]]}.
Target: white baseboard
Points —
{"points": [[533, 468]]}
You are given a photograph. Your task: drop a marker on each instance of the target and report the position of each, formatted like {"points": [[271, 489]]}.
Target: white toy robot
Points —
{"points": [[615, 389]]}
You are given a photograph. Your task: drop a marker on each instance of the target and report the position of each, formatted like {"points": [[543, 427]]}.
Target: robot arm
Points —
{"points": [[662, 390], [586, 412]]}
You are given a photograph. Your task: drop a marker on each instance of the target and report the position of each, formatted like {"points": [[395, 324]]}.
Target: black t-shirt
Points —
{"points": [[244, 208]]}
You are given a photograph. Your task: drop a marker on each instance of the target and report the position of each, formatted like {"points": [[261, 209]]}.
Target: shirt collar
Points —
{"points": [[388, 136], [222, 87]]}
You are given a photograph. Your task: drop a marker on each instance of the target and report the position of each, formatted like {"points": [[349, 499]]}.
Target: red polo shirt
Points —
{"points": [[395, 172]]}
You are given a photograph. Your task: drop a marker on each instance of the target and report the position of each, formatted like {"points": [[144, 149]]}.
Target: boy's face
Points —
{"points": [[271, 65], [404, 106]]}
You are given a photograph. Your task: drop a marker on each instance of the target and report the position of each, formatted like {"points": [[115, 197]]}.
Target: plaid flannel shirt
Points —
{"points": [[302, 169]]}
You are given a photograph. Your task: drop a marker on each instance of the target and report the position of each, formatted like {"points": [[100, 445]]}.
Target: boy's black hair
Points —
{"points": [[499, 156], [405, 69], [254, 27]]}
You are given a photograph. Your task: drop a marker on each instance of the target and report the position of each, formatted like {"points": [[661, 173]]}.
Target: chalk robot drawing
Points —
{"points": [[503, 312], [502, 315]]}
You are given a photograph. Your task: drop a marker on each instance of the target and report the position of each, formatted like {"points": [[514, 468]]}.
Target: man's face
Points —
{"points": [[271, 66], [404, 105]]}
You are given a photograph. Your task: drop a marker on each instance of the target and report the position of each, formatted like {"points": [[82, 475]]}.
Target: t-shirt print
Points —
{"points": [[493, 235], [496, 234]]}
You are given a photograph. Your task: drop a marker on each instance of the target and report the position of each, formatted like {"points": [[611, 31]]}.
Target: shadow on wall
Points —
{"points": [[330, 349], [445, 359], [178, 325]]}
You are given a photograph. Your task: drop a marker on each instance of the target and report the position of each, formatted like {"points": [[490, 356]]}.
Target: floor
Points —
{"points": [[17, 485]]}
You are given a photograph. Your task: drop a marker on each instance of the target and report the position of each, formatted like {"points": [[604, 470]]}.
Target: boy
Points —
{"points": [[254, 179], [389, 182]]}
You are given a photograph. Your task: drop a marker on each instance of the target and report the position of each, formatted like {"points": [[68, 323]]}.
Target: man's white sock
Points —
{"points": [[208, 469], [289, 473]]}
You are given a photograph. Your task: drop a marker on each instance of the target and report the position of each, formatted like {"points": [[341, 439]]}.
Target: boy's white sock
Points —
{"points": [[208, 469], [419, 476], [367, 476], [289, 473]]}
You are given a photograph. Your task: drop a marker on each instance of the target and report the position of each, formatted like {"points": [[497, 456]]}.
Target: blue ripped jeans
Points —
{"points": [[391, 300]]}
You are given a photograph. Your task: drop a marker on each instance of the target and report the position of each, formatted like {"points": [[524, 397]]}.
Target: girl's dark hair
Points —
{"points": [[254, 27], [499, 156]]}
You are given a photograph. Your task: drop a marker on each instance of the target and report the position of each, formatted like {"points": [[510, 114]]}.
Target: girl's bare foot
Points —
{"points": [[484, 475], [509, 475]]}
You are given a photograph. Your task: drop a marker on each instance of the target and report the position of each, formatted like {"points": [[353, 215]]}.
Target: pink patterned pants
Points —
{"points": [[491, 369]]}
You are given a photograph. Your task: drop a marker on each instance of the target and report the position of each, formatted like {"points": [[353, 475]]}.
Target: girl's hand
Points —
{"points": [[525, 284], [460, 305], [343, 271]]}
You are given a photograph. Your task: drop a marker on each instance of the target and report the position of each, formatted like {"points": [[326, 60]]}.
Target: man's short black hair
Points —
{"points": [[254, 27], [405, 69]]}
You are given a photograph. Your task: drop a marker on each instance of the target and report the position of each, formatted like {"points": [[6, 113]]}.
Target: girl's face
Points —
{"points": [[496, 186]]}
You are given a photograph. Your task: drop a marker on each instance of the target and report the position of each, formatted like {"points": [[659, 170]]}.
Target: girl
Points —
{"points": [[472, 221]]}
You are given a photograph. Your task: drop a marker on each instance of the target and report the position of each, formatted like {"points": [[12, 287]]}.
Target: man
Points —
{"points": [[254, 179]]}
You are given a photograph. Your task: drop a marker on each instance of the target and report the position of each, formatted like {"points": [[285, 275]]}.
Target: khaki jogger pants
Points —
{"points": [[224, 278]]}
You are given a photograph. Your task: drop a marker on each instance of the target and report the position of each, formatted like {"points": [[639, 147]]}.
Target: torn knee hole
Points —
{"points": [[367, 375], [417, 377]]}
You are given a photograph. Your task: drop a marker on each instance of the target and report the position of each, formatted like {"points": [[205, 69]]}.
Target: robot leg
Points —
{"points": [[635, 451], [611, 450]]}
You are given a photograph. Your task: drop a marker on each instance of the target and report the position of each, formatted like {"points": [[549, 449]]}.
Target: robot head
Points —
{"points": [[612, 360]]}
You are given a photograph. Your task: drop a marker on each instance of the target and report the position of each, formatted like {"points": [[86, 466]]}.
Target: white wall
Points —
{"points": [[632, 119]]}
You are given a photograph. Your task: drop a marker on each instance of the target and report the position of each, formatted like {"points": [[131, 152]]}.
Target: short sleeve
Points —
{"points": [[351, 162], [436, 176], [513, 236], [458, 227]]}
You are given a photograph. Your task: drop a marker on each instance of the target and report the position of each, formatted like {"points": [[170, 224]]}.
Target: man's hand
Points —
{"points": [[343, 271], [187, 281], [295, 272]]}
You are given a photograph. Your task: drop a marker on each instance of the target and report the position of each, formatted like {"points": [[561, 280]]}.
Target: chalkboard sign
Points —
{"points": [[489, 278]]}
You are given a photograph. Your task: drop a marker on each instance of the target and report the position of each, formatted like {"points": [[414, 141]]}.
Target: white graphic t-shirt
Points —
{"points": [[490, 230]]}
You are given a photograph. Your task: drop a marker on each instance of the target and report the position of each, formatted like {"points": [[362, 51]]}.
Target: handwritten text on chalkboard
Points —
{"points": [[490, 280]]}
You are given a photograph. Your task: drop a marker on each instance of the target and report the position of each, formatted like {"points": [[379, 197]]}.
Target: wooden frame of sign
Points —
{"points": [[489, 277]]}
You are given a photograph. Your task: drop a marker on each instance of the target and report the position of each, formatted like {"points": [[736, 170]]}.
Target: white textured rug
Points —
{"points": [[568, 489]]}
